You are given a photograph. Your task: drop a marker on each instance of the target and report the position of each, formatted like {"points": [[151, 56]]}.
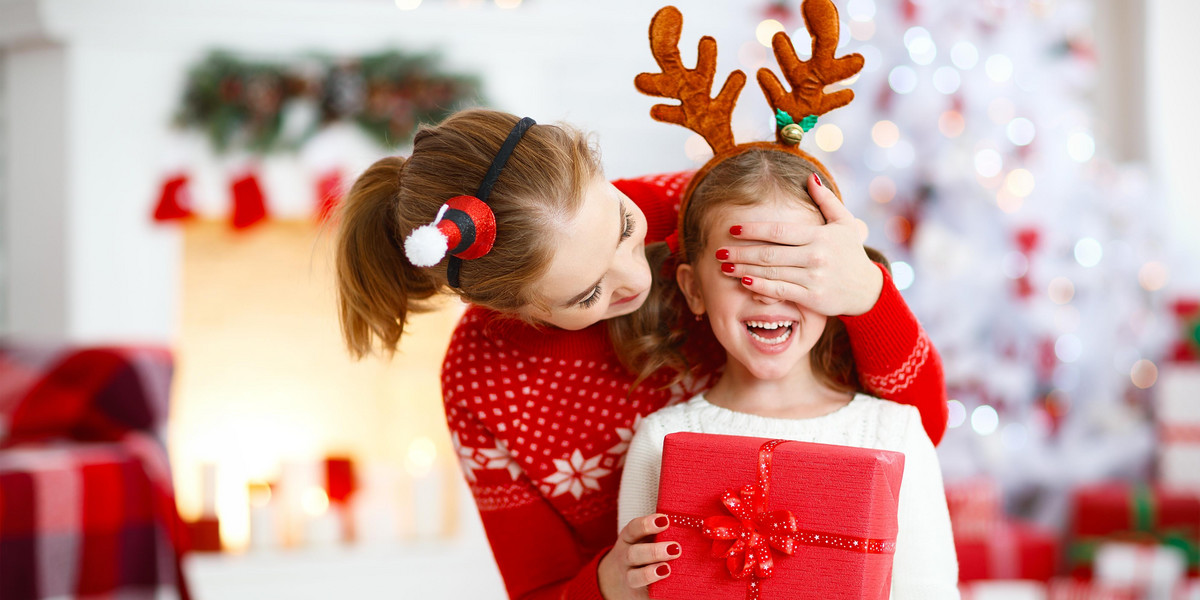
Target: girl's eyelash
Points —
{"points": [[630, 224], [591, 301]]}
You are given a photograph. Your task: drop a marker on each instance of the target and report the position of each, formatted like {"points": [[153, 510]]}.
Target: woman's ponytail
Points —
{"points": [[377, 287]]}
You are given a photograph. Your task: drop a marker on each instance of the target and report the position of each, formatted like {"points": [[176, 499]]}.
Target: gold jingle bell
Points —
{"points": [[791, 134]]}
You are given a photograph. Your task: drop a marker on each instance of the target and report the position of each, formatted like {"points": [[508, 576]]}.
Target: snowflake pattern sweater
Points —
{"points": [[542, 418]]}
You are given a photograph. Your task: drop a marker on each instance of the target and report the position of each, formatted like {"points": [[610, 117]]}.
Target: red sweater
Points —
{"points": [[542, 418]]}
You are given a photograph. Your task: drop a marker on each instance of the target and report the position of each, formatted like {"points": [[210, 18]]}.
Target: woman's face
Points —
{"points": [[599, 268], [766, 336]]}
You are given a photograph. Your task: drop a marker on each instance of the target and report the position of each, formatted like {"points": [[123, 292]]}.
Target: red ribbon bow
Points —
{"points": [[745, 542]]}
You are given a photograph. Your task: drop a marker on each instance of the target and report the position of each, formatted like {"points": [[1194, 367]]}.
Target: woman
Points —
{"points": [[537, 398]]}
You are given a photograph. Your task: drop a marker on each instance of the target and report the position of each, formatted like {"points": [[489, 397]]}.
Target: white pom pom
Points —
{"points": [[425, 246]]}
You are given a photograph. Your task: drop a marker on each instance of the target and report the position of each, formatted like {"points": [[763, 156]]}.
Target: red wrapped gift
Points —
{"points": [[777, 518], [1012, 550], [1137, 513]]}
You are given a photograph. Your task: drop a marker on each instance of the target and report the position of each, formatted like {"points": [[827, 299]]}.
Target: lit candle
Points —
{"points": [[263, 531], [322, 528]]}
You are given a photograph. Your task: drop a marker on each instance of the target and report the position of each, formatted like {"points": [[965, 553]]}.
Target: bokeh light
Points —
{"points": [[1143, 374], [988, 162], [1081, 146], [920, 45], [951, 123], [1019, 182], [1153, 276], [882, 189], [1088, 252], [1020, 131], [829, 137], [407, 4], [696, 149], [1008, 202], [767, 30], [1014, 265], [885, 134], [999, 68], [984, 420], [862, 30], [903, 275], [902, 154], [964, 55], [902, 79], [958, 414], [1068, 348], [1061, 290], [508, 4], [946, 80], [861, 10]]}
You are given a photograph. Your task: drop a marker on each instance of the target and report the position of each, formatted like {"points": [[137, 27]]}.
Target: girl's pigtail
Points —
{"points": [[377, 287]]}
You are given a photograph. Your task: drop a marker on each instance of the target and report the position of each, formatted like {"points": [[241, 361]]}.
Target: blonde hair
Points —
{"points": [[540, 188], [657, 337]]}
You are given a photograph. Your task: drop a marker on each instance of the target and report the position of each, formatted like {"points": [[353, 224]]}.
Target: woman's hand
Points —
{"points": [[635, 562], [823, 267]]}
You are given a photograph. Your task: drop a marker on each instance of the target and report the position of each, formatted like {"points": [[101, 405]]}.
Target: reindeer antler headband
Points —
{"points": [[795, 111]]}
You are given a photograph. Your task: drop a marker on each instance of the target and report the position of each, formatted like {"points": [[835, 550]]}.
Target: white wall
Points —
{"points": [[93, 84]]}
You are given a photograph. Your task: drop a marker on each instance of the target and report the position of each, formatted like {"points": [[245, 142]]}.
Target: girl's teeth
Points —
{"points": [[765, 325], [773, 341]]}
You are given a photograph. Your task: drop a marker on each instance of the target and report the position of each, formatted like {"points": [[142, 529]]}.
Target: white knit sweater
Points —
{"points": [[924, 567]]}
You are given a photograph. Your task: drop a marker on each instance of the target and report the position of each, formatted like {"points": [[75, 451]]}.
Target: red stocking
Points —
{"points": [[174, 202], [248, 204]]}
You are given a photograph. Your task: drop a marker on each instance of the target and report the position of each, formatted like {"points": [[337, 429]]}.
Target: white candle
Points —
{"points": [[323, 527], [425, 484], [264, 532]]}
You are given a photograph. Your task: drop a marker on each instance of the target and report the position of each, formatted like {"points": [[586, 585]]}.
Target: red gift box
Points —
{"points": [[777, 518], [1137, 513], [1012, 550]]}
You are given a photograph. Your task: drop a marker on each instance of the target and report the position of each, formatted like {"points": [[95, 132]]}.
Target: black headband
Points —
{"points": [[454, 264]]}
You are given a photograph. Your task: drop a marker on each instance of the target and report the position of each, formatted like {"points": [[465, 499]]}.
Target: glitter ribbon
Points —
{"points": [[746, 539]]}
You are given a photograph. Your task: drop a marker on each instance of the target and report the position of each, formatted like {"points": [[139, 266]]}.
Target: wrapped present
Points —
{"points": [[1014, 550], [1153, 569], [1177, 408], [1067, 588], [1133, 513], [775, 518], [974, 506]]}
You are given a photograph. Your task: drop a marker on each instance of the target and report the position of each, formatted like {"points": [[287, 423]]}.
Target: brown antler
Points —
{"points": [[809, 78], [709, 117]]}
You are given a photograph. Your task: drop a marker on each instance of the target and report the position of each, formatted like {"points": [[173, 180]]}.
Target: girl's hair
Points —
{"points": [[539, 190], [652, 339]]}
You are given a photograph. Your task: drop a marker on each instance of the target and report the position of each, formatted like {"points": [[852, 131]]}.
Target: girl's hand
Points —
{"points": [[635, 562], [823, 267]]}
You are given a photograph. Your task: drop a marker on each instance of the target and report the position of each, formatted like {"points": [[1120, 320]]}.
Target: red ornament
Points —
{"points": [[329, 193], [249, 206], [174, 201]]}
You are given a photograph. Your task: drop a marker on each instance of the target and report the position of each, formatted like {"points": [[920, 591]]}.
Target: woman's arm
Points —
{"points": [[534, 548]]}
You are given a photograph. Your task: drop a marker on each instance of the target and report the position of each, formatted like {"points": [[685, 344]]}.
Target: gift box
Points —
{"points": [[773, 519], [974, 506], [1013, 550], [1066, 588], [1177, 408], [1133, 513], [1153, 569], [1003, 590]]}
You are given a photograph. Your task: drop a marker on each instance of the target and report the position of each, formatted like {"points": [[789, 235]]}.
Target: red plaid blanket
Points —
{"points": [[87, 507]]}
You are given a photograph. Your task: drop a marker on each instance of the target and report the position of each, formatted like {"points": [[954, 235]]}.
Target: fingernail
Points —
{"points": [[663, 570], [722, 254], [747, 281], [673, 550], [818, 178], [662, 522], [735, 230], [727, 267]]}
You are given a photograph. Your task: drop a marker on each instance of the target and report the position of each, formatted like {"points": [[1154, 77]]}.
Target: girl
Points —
{"points": [[535, 381], [788, 371]]}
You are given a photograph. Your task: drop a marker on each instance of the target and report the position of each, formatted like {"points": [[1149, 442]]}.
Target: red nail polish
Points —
{"points": [[663, 570], [735, 230], [727, 267], [661, 522], [673, 550], [818, 178], [722, 254], [747, 281]]}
